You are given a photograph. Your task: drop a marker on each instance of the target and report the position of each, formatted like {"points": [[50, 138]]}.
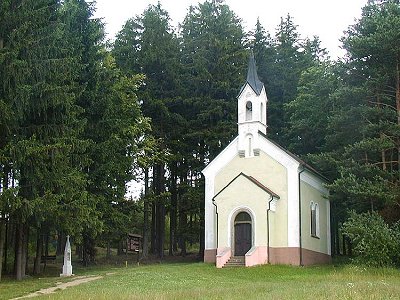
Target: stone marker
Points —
{"points": [[67, 267]]}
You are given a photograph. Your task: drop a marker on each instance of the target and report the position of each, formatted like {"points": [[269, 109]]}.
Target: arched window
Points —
{"points": [[314, 219], [249, 110], [261, 113], [243, 217]]}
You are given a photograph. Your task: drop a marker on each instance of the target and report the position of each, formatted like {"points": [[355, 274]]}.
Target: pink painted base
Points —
{"points": [[210, 255], [223, 255], [257, 256], [284, 255], [291, 256]]}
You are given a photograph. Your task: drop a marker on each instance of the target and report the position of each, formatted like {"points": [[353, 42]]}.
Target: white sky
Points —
{"points": [[324, 18]]}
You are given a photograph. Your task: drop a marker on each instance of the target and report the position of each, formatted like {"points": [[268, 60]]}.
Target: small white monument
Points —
{"points": [[67, 267]]}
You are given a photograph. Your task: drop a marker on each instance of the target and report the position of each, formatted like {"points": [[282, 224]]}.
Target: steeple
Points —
{"points": [[252, 77], [252, 112]]}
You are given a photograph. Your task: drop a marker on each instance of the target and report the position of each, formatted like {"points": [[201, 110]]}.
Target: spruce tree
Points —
{"points": [[39, 86], [147, 44], [214, 61], [370, 171], [114, 126], [361, 150]]}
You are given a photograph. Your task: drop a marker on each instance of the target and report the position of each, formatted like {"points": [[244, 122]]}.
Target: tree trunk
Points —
{"points": [[158, 227], [161, 231], [39, 250], [398, 109], [381, 135], [120, 250], [153, 227], [160, 212], [174, 201], [2, 242], [344, 245], [3, 221], [6, 247], [88, 249], [108, 254], [337, 238], [182, 227], [153, 241], [24, 264], [349, 247], [61, 240], [202, 226], [78, 251], [19, 240], [46, 249], [145, 242], [12, 235]]}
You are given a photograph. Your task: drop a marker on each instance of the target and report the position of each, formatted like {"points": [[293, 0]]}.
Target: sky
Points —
{"points": [[327, 19]]}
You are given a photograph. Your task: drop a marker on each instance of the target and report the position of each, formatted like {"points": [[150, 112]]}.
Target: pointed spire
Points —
{"points": [[252, 77]]}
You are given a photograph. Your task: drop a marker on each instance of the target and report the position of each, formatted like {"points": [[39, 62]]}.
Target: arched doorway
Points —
{"points": [[243, 233]]}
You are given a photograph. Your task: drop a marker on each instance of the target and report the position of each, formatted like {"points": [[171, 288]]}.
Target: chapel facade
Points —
{"points": [[262, 203]]}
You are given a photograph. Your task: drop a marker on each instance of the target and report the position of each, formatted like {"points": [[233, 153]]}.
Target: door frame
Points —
{"points": [[231, 227]]}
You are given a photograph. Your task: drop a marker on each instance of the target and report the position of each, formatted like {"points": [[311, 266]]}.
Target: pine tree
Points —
{"points": [[310, 111], [214, 59], [114, 126], [214, 62], [363, 131], [281, 61], [39, 87], [147, 44], [263, 47], [5, 125]]}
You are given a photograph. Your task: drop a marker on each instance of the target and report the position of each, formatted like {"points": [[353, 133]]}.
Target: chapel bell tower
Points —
{"points": [[252, 112]]}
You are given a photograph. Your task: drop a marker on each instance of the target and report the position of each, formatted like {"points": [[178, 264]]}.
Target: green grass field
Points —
{"points": [[204, 281]]}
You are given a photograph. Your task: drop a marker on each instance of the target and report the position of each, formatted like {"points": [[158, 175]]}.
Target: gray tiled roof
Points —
{"points": [[252, 77]]}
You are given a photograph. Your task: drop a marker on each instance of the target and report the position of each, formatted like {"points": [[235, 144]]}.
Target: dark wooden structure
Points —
{"points": [[133, 242]]}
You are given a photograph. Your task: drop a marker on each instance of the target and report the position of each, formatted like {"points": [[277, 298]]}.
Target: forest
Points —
{"points": [[81, 117]]}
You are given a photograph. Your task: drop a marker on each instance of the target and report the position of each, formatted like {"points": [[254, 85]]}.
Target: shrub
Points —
{"points": [[396, 232], [374, 242]]}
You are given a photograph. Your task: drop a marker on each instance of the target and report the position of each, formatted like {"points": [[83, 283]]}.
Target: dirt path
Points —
{"points": [[61, 286]]}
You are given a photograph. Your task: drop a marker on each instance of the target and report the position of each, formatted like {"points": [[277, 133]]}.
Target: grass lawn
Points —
{"points": [[204, 281]]}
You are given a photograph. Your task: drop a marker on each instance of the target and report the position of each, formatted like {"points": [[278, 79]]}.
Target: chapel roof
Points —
{"points": [[252, 77]]}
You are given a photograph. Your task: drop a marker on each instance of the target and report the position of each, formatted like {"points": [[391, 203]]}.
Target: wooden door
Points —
{"points": [[242, 238]]}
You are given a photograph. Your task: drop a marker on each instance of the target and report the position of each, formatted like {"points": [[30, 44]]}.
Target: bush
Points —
{"points": [[396, 232], [374, 242]]}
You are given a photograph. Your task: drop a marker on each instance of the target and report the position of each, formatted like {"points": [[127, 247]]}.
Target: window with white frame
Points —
{"points": [[314, 209], [249, 111]]}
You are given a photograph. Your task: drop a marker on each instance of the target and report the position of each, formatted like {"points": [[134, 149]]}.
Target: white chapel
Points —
{"points": [[262, 203]]}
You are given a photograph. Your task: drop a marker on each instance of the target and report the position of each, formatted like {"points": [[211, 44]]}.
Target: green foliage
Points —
{"points": [[38, 86], [114, 128], [281, 60], [71, 127], [374, 242], [214, 63], [311, 109], [361, 143]]}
